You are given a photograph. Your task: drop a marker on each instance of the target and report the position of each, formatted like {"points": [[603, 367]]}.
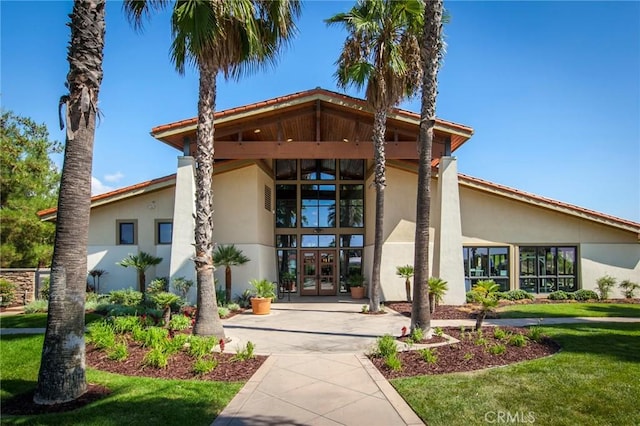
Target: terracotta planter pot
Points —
{"points": [[261, 305], [357, 292]]}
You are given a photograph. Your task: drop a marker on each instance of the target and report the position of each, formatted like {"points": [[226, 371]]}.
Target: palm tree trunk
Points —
{"points": [[380, 181], [430, 54], [207, 320], [142, 281], [407, 289], [62, 367], [227, 284]]}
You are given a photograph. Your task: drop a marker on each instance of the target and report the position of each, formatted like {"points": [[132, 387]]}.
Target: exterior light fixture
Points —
{"points": [[256, 131], [345, 140], [289, 140]]}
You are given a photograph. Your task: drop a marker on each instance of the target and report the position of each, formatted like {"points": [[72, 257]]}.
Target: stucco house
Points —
{"points": [[293, 190]]}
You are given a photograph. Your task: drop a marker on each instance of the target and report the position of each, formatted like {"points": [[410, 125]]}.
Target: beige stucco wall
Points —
{"points": [[103, 253], [241, 218]]}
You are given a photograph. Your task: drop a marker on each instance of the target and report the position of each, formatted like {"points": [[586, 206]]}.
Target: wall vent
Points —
{"points": [[267, 198]]}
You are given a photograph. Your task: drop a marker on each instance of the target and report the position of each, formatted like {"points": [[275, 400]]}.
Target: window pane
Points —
{"points": [[352, 169], [528, 261], [566, 260], [352, 240], [286, 241], [309, 241], [499, 261], [547, 285], [326, 240], [547, 259], [317, 169], [127, 230], [352, 206], [286, 169], [164, 232], [287, 268], [318, 206], [350, 264], [286, 206], [528, 284], [479, 262]]}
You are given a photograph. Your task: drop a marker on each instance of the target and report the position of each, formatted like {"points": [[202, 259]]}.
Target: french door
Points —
{"points": [[318, 273]]}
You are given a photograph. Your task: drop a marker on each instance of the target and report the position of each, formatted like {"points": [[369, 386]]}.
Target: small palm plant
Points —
{"points": [[437, 288], [485, 293], [96, 274], [406, 272], [228, 256], [165, 299], [629, 288], [141, 262]]}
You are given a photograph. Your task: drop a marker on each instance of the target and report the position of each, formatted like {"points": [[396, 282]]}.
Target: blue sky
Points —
{"points": [[552, 90]]}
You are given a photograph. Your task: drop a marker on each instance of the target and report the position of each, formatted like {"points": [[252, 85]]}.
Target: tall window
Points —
{"points": [[486, 263], [544, 269], [164, 231]]}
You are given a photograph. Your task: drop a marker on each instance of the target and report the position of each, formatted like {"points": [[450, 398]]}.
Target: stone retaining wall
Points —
{"points": [[25, 280]]}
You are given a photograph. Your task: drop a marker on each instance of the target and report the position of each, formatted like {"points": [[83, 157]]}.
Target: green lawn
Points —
{"points": [[592, 381], [36, 320], [542, 310], [133, 401]]}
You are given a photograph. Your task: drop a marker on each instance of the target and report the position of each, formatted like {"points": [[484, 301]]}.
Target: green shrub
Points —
{"points": [[497, 349], [518, 340], [126, 324], [519, 294], [7, 292], [179, 323], [156, 358], [44, 288], [221, 296], [416, 335], [244, 300], [245, 353], [204, 366], [558, 295], [393, 362], [605, 284], [438, 331], [481, 341], [386, 346], [172, 346], [158, 285], [116, 310], [101, 334], [201, 346], [535, 334], [222, 311], [128, 297], [468, 356], [429, 355], [629, 288], [39, 305], [502, 295], [155, 337], [470, 297], [119, 352], [182, 286], [233, 307], [499, 333], [584, 295]]}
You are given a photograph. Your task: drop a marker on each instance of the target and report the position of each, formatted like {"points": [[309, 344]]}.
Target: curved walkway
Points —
{"points": [[317, 372]]}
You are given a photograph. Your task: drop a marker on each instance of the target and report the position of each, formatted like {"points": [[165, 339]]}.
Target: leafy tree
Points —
{"points": [[232, 37], [431, 50], [381, 52], [28, 183], [228, 256], [406, 272], [141, 262], [62, 368]]}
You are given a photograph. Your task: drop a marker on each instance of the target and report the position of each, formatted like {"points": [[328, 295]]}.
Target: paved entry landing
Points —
{"points": [[317, 373], [305, 328]]}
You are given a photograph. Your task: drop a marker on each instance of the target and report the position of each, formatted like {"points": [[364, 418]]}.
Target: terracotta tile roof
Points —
{"points": [[292, 97], [549, 202], [117, 192]]}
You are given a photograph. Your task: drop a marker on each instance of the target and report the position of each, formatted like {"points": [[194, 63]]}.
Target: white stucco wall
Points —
{"points": [[621, 261]]}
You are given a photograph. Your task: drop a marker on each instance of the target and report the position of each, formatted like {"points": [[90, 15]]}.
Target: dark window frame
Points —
{"points": [[119, 236], [158, 223], [541, 276], [500, 274]]}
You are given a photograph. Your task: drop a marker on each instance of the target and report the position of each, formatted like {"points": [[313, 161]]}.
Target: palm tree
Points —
{"points": [[381, 52], [231, 37], [141, 262], [228, 256], [62, 367], [485, 293], [437, 288], [431, 50], [406, 272]]}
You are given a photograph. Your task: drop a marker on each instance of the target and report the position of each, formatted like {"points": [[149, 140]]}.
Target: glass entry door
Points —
{"points": [[318, 273]]}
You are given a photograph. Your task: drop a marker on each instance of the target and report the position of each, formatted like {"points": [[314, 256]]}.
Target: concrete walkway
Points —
{"points": [[317, 372]]}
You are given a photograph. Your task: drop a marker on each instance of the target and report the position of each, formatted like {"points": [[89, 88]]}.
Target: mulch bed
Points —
{"points": [[441, 312], [467, 355]]}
